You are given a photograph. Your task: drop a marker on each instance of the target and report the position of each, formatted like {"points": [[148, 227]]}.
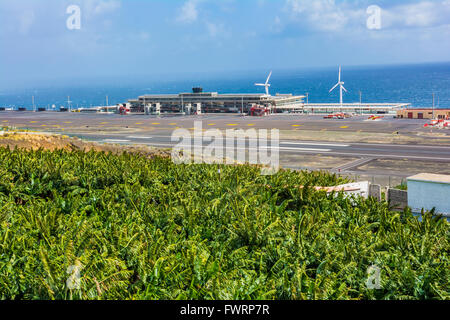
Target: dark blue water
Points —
{"points": [[403, 83]]}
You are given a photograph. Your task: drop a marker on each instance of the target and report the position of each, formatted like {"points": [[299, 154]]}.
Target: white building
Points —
{"points": [[428, 191], [213, 102]]}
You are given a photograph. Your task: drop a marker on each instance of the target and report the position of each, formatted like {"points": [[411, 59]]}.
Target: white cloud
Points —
{"points": [[277, 25], [422, 15], [100, 7], [323, 15], [26, 20], [107, 6], [216, 30], [329, 15], [188, 12]]}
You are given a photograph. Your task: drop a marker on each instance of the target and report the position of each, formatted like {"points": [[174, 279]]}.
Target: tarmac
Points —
{"points": [[354, 146]]}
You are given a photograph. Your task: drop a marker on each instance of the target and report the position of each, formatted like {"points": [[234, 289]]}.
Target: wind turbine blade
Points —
{"points": [[344, 89], [339, 74], [268, 78], [334, 87], [260, 84]]}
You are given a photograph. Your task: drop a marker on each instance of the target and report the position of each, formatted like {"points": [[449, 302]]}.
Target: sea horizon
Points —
{"points": [[401, 83]]}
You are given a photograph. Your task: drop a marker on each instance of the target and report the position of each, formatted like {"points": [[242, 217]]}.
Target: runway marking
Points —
{"points": [[139, 137], [387, 156], [33, 121], [327, 151], [211, 124], [5, 121], [104, 122], [44, 125], [250, 124], [344, 127], [295, 149], [305, 149], [296, 125], [139, 123], [172, 124], [316, 144], [419, 146], [115, 140], [231, 124], [68, 122], [156, 123]]}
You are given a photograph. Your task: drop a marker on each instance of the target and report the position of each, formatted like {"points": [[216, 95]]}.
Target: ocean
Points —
{"points": [[413, 84]]}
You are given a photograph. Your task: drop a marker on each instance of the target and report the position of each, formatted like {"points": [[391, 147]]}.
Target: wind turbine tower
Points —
{"points": [[341, 87], [265, 85]]}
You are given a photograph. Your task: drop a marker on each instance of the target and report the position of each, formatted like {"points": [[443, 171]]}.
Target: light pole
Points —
{"points": [[68, 103], [433, 105], [360, 102], [182, 104]]}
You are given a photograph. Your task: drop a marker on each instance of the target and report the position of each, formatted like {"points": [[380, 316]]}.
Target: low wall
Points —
{"points": [[398, 199], [375, 192]]}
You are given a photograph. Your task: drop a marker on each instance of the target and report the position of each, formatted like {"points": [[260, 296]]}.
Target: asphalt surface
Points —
{"points": [[360, 150], [78, 121], [156, 132]]}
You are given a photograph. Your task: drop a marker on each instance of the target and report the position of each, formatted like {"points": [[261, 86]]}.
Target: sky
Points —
{"points": [[126, 39]]}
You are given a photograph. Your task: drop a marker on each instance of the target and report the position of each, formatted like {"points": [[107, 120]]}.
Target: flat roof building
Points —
{"points": [[213, 102], [428, 113]]}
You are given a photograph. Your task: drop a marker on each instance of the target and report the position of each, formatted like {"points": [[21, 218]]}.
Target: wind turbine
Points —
{"points": [[341, 87], [265, 85]]}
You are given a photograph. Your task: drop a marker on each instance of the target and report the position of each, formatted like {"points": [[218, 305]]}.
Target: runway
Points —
{"points": [[360, 150], [83, 121], [387, 147]]}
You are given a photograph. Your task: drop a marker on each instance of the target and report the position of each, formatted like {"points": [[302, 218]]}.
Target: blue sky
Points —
{"points": [[163, 38]]}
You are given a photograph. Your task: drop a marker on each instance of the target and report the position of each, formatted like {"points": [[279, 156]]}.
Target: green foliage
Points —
{"points": [[148, 229]]}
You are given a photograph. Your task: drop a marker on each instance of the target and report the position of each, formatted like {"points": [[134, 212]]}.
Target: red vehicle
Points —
{"points": [[124, 110], [338, 115], [441, 124], [259, 111], [374, 118]]}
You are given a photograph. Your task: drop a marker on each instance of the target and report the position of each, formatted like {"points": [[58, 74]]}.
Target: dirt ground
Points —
{"points": [[313, 162], [34, 141], [404, 167], [367, 137]]}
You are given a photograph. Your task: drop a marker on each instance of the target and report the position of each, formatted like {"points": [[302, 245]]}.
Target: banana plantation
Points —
{"points": [[92, 225]]}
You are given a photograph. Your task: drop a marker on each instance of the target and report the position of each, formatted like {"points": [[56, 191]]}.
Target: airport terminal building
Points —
{"points": [[213, 102]]}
